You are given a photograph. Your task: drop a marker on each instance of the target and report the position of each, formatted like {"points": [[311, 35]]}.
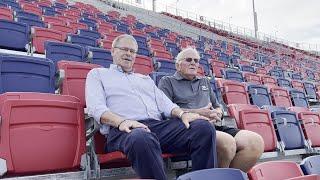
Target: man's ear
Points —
{"points": [[177, 66], [112, 51]]}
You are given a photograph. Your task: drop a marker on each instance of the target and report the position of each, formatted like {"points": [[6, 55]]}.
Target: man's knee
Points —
{"points": [[251, 142], [226, 146], [203, 128], [139, 138]]}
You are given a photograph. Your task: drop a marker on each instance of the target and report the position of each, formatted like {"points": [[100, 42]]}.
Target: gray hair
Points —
{"points": [[180, 56], [117, 39]]}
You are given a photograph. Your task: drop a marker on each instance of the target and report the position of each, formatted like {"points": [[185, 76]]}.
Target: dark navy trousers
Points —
{"points": [[144, 149]]}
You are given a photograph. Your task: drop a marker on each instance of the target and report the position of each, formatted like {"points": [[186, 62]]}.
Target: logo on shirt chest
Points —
{"points": [[204, 88]]}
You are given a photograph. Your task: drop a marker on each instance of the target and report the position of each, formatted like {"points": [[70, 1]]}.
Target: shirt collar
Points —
{"points": [[118, 68], [178, 76]]}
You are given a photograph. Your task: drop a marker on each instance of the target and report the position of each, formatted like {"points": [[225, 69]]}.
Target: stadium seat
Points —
{"points": [[14, 35], [53, 19], [89, 33], [307, 177], [77, 25], [57, 51], [143, 65], [296, 76], [275, 170], [232, 74], [61, 27], [162, 54], [216, 90], [311, 165], [276, 73], [298, 98], [75, 74], [156, 76], [261, 71], [234, 92], [310, 90], [245, 68], [282, 82], [298, 85], [27, 15], [51, 138], [216, 173], [26, 74], [6, 13], [280, 97], [259, 95], [30, 22], [100, 56], [166, 66], [268, 80], [250, 117], [217, 67], [40, 35], [252, 78], [83, 41]]}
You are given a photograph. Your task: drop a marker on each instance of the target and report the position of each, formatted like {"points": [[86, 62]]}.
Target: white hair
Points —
{"points": [[117, 39], [180, 56]]}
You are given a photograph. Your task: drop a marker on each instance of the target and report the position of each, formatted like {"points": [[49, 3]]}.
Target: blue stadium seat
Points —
{"points": [[216, 173], [27, 15], [60, 5], [30, 22], [49, 11], [234, 59], [143, 51], [224, 57], [89, 23], [83, 41], [26, 74], [13, 5], [310, 90], [100, 56], [89, 33], [205, 64], [232, 74], [206, 56], [14, 35], [298, 98], [166, 66], [57, 51], [288, 129], [277, 73], [311, 165], [247, 68], [259, 95], [296, 76], [282, 82], [123, 28], [156, 76], [216, 90]]}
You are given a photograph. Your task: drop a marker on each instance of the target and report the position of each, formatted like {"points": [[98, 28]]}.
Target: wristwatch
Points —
{"points": [[181, 114]]}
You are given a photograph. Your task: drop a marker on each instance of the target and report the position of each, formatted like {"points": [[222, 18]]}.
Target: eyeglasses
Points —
{"points": [[192, 59], [127, 49]]}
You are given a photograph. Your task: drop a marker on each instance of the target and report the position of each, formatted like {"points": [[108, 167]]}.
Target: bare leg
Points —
{"points": [[226, 149]]}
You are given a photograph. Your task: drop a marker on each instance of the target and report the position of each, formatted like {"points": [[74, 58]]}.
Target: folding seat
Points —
{"points": [[311, 165], [268, 81], [27, 15], [30, 22], [275, 170], [259, 95], [234, 92], [217, 67], [298, 85], [310, 90], [26, 74], [106, 44], [166, 66], [252, 78], [48, 10], [40, 133], [143, 65], [84, 41], [89, 33], [75, 74], [156, 76], [100, 56], [89, 23], [298, 98], [40, 35], [123, 28], [57, 51], [216, 90], [215, 173], [14, 35], [276, 73], [6, 13], [261, 71], [52, 19], [13, 5], [62, 28], [162, 54], [32, 9], [250, 117], [224, 57], [143, 51], [232, 74], [77, 25], [282, 82], [288, 129], [247, 68], [306, 177], [296, 76], [280, 97]]}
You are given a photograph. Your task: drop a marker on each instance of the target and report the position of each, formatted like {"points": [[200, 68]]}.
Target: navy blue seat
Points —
{"points": [[247, 68], [310, 90], [14, 5], [310, 75], [140, 25], [26, 74], [57, 51], [27, 15], [256, 64], [143, 51], [82, 40], [2, 4], [288, 129], [206, 56], [89, 19], [233, 74], [123, 28], [234, 59], [141, 40], [156, 76], [89, 33], [259, 95], [30, 22], [206, 66], [298, 98], [14, 35], [282, 82], [216, 91], [311, 165], [60, 6], [166, 66], [296, 76], [224, 57], [49, 11], [154, 35], [273, 108], [215, 173], [90, 24], [100, 56], [277, 73]]}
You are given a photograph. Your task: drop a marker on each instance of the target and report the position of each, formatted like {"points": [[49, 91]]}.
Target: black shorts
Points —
{"points": [[229, 130]]}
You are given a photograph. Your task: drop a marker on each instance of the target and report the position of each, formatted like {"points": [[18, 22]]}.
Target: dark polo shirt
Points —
{"points": [[193, 94]]}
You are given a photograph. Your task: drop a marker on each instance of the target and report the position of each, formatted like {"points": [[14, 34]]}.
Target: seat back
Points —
{"points": [[311, 165], [14, 35], [247, 68], [166, 66], [83, 41], [143, 65], [234, 93], [282, 82], [298, 98], [41, 132], [215, 173], [232, 74], [259, 95], [275, 170], [310, 90], [40, 35], [26, 74], [311, 126], [252, 78], [217, 67], [100, 56], [280, 97], [268, 80]]}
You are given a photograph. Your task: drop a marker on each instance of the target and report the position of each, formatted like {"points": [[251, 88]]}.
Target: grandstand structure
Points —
{"points": [[47, 47]]}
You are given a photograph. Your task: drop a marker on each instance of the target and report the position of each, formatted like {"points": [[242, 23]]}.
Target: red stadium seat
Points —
{"points": [[217, 66], [306, 177], [296, 84], [75, 76], [53, 19], [62, 28], [41, 132], [40, 35], [32, 8], [234, 92], [158, 47], [106, 44], [252, 77], [76, 25], [261, 71], [280, 97], [234, 110], [268, 80], [143, 65], [162, 54], [6, 13], [105, 28]]}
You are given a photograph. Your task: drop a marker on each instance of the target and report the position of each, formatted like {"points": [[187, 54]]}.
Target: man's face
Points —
{"points": [[124, 53], [189, 64]]}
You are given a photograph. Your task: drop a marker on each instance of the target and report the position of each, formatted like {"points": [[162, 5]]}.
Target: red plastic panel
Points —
{"points": [[40, 35], [252, 78], [143, 65], [234, 93], [280, 97], [311, 126], [6, 13], [217, 66]]}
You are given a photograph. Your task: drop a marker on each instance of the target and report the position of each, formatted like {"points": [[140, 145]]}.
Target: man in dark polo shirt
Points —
{"points": [[236, 148]]}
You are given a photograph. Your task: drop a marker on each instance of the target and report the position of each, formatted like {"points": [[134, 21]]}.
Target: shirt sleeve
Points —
{"points": [[166, 87], [213, 98], [95, 95], [164, 103]]}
